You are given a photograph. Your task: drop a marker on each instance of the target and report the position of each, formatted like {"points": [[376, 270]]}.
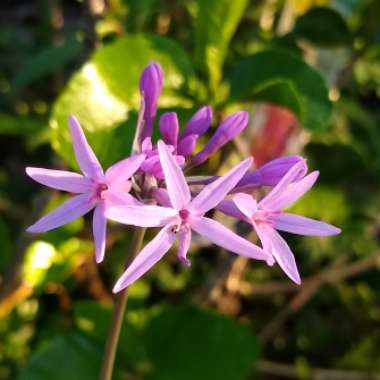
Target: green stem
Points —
{"points": [[117, 320]]}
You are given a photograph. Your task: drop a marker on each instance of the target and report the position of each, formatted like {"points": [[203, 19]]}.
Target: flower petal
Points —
{"points": [[176, 185], [99, 224], [225, 238], [142, 216], [60, 180], [246, 204], [183, 245], [282, 185], [215, 192], [162, 197], [84, 155], [280, 250], [292, 193], [65, 213], [149, 256], [229, 208], [123, 170], [301, 225], [120, 198]]}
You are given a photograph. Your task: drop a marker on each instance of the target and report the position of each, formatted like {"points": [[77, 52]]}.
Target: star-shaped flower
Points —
{"points": [[96, 189], [267, 216], [188, 216]]}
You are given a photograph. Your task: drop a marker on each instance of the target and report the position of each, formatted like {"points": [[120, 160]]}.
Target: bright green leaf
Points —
{"points": [[215, 24], [105, 91], [284, 79]]}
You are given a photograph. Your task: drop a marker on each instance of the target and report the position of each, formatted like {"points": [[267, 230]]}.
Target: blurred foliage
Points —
{"points": [[319, 59]]}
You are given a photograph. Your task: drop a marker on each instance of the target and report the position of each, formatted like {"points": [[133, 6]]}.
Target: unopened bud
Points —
{"points": [[227, 130], [150, 88], [169, 128]]}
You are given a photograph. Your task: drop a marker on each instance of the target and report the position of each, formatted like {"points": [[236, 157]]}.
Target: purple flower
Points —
{"points": [[267, 216], [188, 216], [150, 88], [97, 190], [228, 129]]}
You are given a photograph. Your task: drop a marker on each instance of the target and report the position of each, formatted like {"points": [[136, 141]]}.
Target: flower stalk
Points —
{"points": [[121, 300]]}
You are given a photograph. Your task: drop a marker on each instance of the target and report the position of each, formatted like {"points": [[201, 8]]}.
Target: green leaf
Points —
{"points": [[105, 92], [47, 61], [71, 357], [215, 24], [286, 80], [185, 343], [322, 26]]}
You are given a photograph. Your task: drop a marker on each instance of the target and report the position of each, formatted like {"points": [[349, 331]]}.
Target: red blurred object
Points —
{"points": [[278, 127]]}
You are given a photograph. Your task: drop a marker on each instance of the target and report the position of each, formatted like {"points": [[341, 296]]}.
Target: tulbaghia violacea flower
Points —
{"points": [[181, 146], [266, 216], [188, 216], [96, 189]]}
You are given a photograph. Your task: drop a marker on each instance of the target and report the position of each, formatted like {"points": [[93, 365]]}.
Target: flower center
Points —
{"points": [[102, 187], [184, 215], [264, 216]]}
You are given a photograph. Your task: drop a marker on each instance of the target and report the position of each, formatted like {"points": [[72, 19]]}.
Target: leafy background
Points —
{"points": [[308, 71]]}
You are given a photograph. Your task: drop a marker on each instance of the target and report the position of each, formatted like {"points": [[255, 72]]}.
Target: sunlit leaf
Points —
{"points": [[284, 79]]}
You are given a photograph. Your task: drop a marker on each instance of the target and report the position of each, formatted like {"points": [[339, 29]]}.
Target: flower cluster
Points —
{"points": [[150, 189]]}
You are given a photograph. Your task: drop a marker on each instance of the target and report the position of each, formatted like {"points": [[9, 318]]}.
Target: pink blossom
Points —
{"points": [[96, 189], [188, 216], [267, 216]]}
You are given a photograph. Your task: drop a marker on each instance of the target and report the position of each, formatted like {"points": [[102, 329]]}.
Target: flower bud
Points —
{"points": [[228, 129], [150, 88], [169, 128], [186, 145], [199, 122], [271, 173]]}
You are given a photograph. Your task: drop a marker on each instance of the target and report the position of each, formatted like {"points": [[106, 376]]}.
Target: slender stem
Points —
{"points": [[120, 305]]}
